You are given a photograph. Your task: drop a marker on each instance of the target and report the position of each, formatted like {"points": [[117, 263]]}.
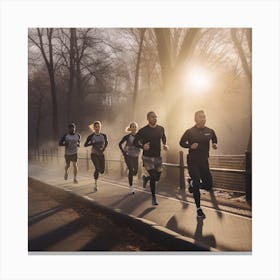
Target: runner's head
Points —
{"points": [[71, 128], [97, 126], [152, 118], [133, 126], [200, 119]]}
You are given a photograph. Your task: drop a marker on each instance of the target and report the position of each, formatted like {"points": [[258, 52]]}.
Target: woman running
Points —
{"points": [[99, 142], [130, 153]]}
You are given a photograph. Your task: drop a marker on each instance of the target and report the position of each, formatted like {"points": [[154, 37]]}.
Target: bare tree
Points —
{"points": [[237, 38], [46, 48], [136, 78]]}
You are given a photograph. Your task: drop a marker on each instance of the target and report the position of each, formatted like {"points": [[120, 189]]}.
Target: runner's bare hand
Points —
{"points": [[146, 146], [194, 146], [165, 147]]}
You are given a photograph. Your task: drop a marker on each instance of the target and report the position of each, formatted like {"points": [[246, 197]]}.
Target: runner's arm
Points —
{"points": [[88, 141], [184, 142], [124, 139], [62, 141]]}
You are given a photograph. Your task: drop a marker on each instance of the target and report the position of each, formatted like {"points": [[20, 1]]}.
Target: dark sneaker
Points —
{"points": [[154, 201], [145, 180], [200, 213], [190, 181], [95, 188]]}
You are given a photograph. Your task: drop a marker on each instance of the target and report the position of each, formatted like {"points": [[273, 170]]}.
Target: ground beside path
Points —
{"points": [[227, 226], [56, 224]]}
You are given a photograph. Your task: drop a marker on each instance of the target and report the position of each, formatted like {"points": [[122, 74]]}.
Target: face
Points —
{"points": [[97, 128], [152, 119], [71, 129], [200, 120], [133, 128]]}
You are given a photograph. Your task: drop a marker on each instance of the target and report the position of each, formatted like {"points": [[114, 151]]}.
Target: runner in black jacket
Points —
{"points": [[197, 140], [149, 139], [130, 153]]}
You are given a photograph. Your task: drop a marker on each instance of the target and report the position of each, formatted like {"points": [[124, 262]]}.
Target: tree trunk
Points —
{"points": [[53, 86], [170, 69], [136, 80], [71, 75], [242, 56]]}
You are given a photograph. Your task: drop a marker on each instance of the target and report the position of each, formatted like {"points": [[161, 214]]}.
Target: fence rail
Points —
{"points": [[244, 160]]}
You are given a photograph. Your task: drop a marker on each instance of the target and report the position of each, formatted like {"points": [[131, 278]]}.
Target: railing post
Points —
{"points": [[87, 160], [139, 170], [106, 163], [182, 171], [51, 154], [248, 179], [57, 157], [121, 165]]}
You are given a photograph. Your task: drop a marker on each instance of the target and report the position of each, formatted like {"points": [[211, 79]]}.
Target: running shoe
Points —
{"points": [[95, 186], [154, 201], [131, 189], [190, 181], [200, 213], [145, 181]]}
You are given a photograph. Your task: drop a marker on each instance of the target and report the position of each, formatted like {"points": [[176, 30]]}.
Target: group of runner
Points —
{"points": [[150, 138]]}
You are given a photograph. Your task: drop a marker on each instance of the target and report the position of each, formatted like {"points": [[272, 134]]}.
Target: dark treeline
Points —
{"points": [[116, 75]]}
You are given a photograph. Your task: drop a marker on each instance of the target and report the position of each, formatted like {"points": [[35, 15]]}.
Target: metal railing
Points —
{"points": [[53, 155]]}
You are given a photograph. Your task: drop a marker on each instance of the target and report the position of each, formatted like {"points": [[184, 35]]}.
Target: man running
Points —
{"points": [[71, 141], [197, 140], [149, 139]]}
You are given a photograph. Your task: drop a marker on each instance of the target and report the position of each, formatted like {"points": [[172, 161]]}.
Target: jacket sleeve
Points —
{"points": [[214, 137], [79, 139], [88, 141], [124, 139], [184, 142], [138, 141], [62, 141], [106, 141], [163, 138]]}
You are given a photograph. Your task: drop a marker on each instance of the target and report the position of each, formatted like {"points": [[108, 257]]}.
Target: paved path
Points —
{"points": [[225, 228]]}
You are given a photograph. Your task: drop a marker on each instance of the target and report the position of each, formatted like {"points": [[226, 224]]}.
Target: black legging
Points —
{"points": [[99, 164], [199, 170], [132, 165], [154, 177]]}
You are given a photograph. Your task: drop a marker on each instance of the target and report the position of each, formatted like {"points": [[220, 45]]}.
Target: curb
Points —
{"points": [[159, 234]]}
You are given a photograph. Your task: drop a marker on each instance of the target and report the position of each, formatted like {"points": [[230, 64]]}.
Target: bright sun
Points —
{"points": [[198, 79]]}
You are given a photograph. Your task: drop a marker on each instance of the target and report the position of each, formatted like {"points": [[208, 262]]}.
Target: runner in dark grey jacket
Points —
{"points": [[99, 142], [130, 153], [71, 141]]}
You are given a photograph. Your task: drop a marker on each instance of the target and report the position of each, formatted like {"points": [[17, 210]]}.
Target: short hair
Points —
{"points": [[149, 113], [97, 122], [71, 125], [198, 112]]}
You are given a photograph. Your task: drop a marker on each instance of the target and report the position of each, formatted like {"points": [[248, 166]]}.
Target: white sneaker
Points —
{"points": [[131, 189]]}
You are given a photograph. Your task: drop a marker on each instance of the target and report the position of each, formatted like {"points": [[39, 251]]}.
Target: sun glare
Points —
{"points": [[198, 79]]}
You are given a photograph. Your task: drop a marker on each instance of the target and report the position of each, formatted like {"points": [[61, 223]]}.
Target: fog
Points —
{"points": [[212, 80]]}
